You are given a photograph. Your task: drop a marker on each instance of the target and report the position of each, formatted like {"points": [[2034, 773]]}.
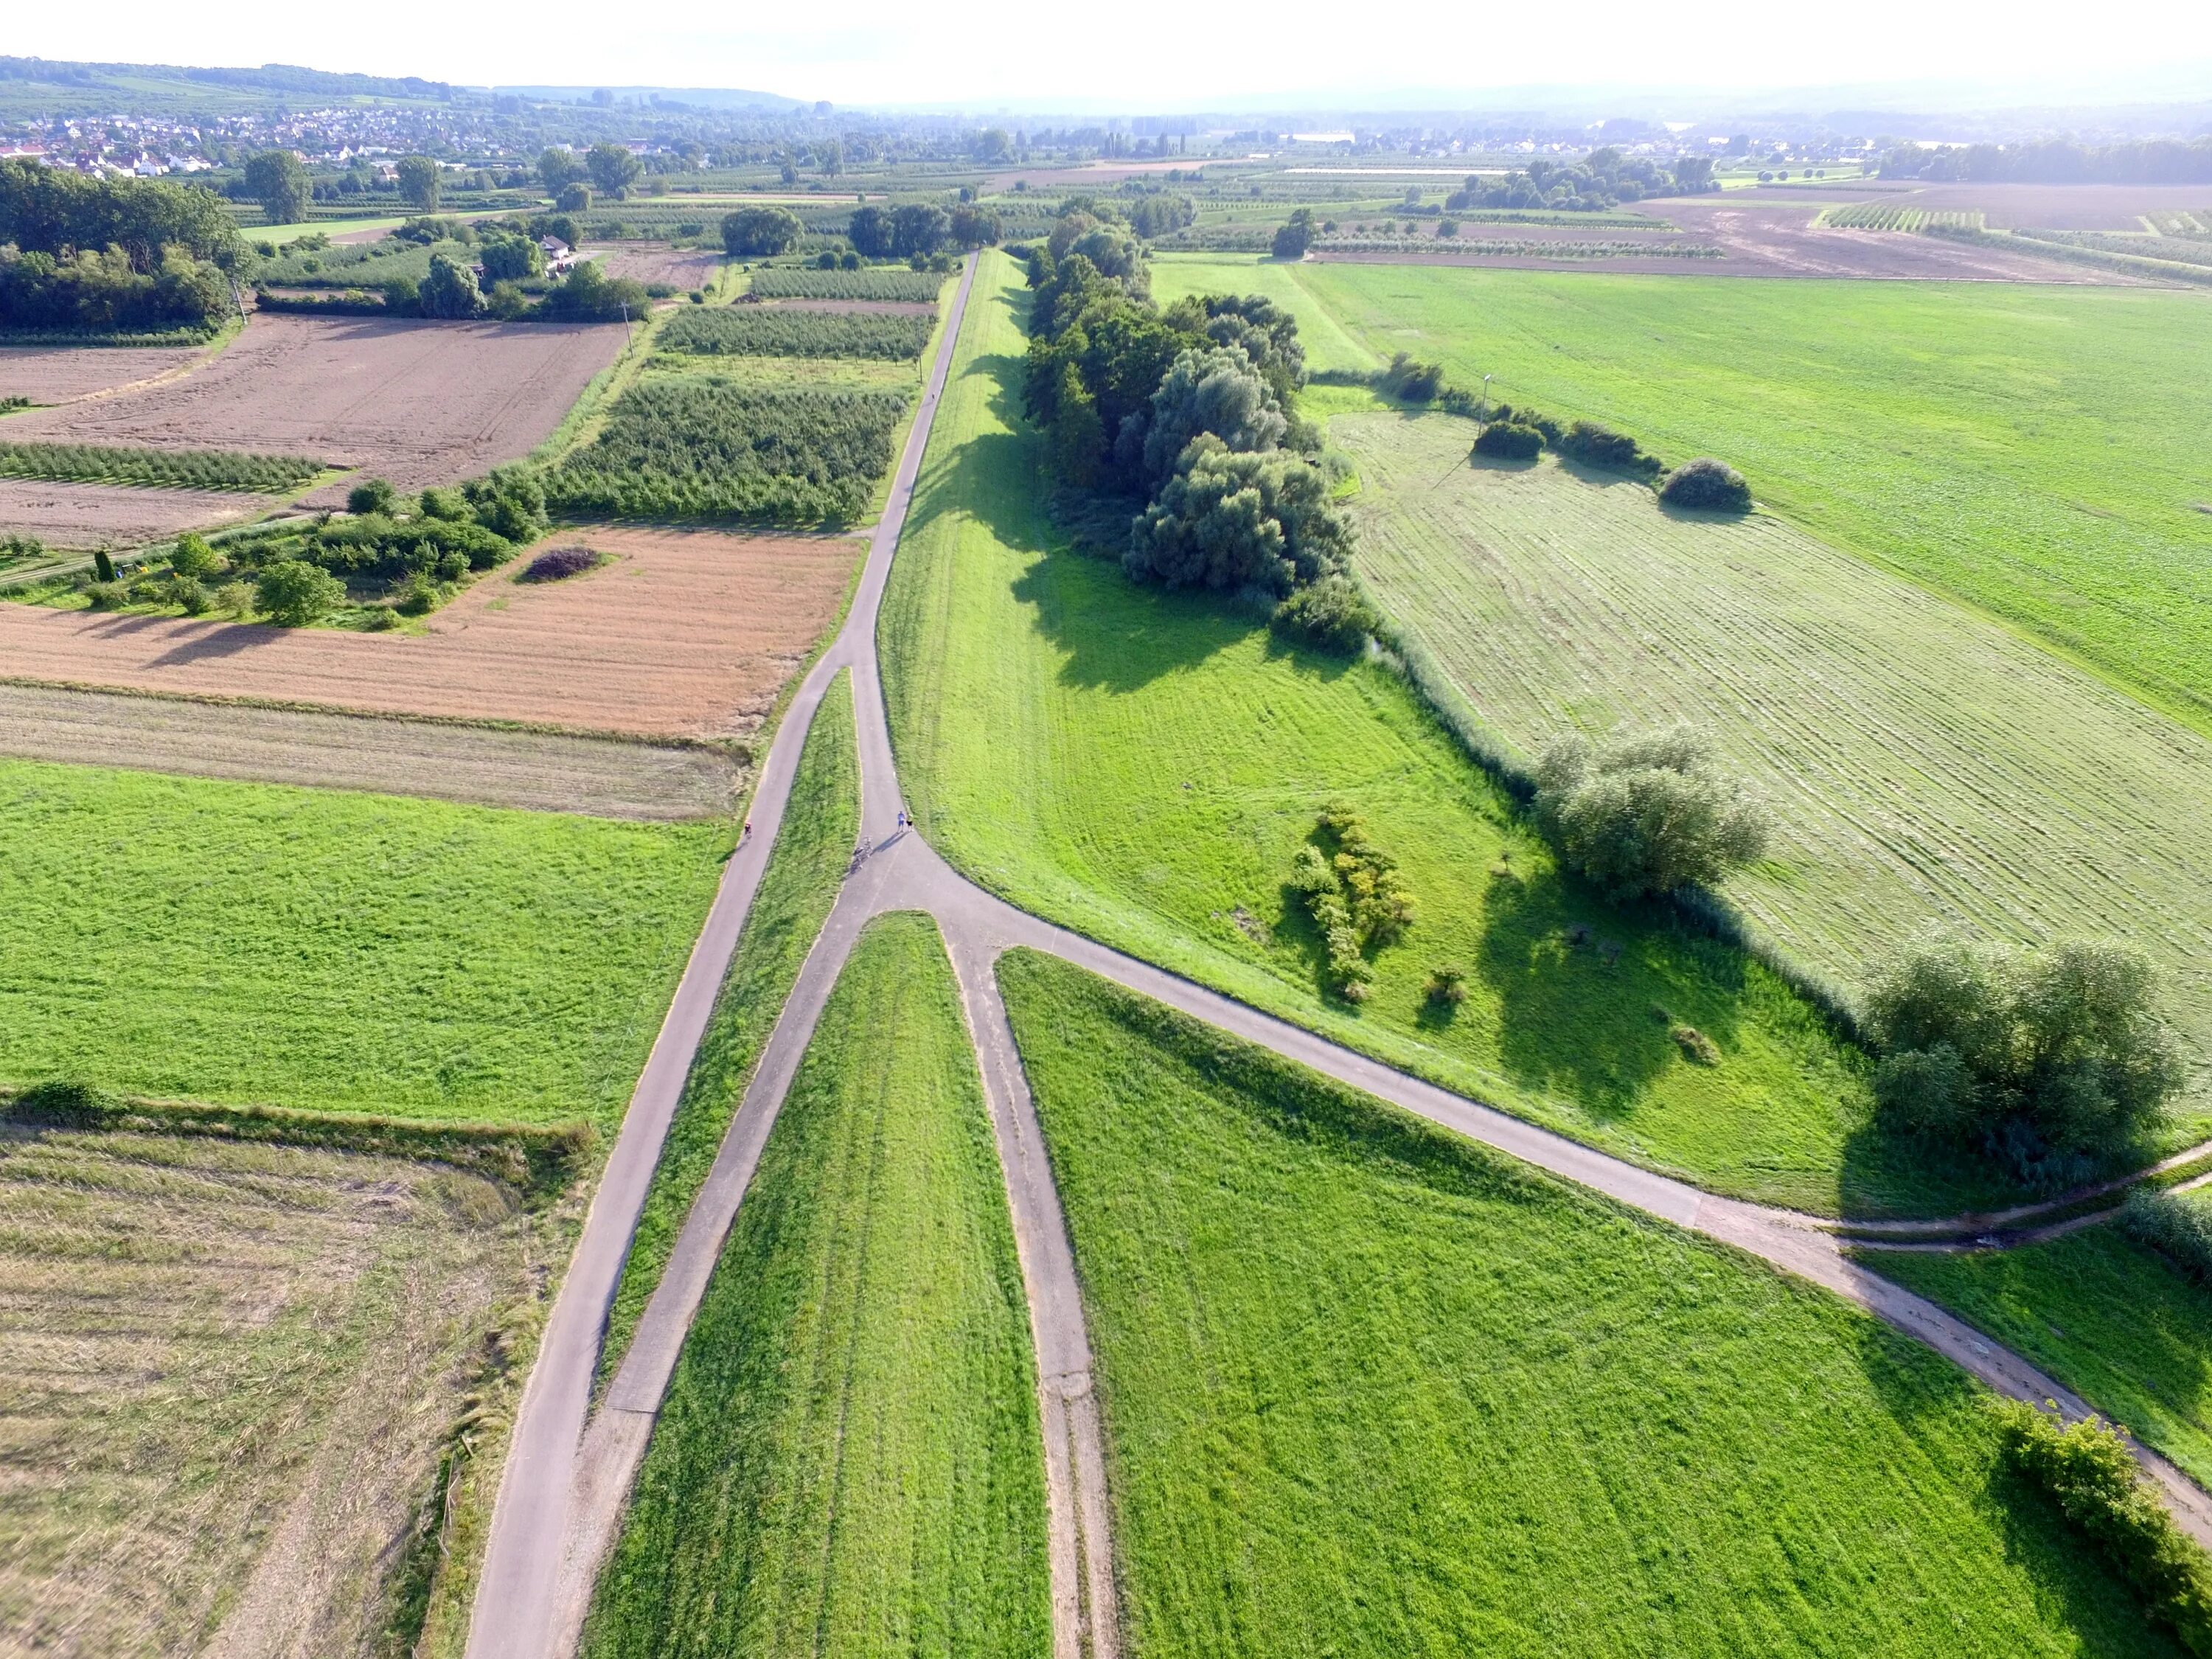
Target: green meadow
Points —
{"points": [[1370, 1390], [2038, 450], [330, 951], [849, 1463], [1143, 767]]}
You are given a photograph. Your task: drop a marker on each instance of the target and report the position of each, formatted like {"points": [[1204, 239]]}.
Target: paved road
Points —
{"points": [[568, 1480]]}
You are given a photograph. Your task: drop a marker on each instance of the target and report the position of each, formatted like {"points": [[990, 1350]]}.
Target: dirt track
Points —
{"points": [[60, 375], [417, 403], [113, 515], [685, 634]]}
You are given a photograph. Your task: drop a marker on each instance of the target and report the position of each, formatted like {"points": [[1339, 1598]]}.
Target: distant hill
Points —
{"points": [[270, 77], [713, 97]]}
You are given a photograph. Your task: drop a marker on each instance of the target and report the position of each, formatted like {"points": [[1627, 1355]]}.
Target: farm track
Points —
{"points": [[568, 1473]]}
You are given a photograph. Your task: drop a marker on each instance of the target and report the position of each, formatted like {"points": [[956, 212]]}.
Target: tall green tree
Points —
{"points": [[420, 180], [559, 168], [277, 179], [759, 233], [613, 169]]}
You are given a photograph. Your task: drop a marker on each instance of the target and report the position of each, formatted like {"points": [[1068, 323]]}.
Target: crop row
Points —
{"points": [[2198, 224], [870, 282], [183, 469], [1886, 215], [752, 332], [2183, 250]]}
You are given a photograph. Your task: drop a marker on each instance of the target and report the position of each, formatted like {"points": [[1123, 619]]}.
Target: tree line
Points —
{"points": [[111, 254], [2056, 161]]}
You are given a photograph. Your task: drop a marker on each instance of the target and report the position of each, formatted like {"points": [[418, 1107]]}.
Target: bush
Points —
{"points": [[193, 557], [294, 593], [1505, 441], [234, 598], [1551, 430], [2089, 1472], [2049, 1061], [372, 495], [417, 596], [759, 233], [1646, 814], [1415, 382], [1447, 986], [190, 595], [1706, 485], [104, 595], [1233, 523], [1598, 446], [589, 295], [1351, 892], [1330, 614], [2176, 1228], [560, 563]]}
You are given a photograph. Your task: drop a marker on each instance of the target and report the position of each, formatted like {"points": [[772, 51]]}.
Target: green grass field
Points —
{"points": [[1370, 1390], [1884, 728], [849, 1462], [320, 949], [1143, 767], [2035, 449], [813, 847], [2107, 1317]]}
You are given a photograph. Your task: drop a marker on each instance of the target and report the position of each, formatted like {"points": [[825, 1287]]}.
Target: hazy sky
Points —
{"points": [[1146, 55]]}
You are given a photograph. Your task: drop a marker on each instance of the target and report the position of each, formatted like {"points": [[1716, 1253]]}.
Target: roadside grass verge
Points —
{"points": [[1371, 1389], [1882, 726], [1143, 767], [812, 848], [849, 1461], [254, 944], [2032, 448], [2108, 1317]]}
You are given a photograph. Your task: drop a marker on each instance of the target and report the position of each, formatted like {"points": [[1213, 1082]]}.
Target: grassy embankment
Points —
{"points": [[2034, 449], [324, 950], [2111, 1319], [1143, 767], [1883, 727], [813, 847], [849, 1460], [1372, 1389]]}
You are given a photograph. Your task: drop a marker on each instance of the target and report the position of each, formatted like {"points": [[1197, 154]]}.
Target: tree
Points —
{"points": [[918, 228], [1708, 486], [275, 179], [575, 197], [613, 169], [1235, 522], [295, 593], [372, 495], [759, 233], [974, 227], [1295, 236], [988, 144], [560, 168], [870, 233], [510, 259], [1217, 393], [420, 180], [194, 558], [450, 290], [1646, 814], [1694, 174], [830, 158]]}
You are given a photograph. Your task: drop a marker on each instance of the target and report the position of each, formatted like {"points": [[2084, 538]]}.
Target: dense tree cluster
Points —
{"points": [[2046, 1061], [1646, 814], [760, 232], [2055, 161], [111, 254], [278, 181], [1353, 891], [1603, 179]]}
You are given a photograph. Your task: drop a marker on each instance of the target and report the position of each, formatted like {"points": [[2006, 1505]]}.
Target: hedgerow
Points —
{"points": [[870, 282], [700, 450], [2176, 1228], [183, 469], [753, 332]]}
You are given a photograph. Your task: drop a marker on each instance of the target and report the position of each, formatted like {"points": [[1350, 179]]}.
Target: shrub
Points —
{"points": [[1330, 614], [447, 504], [236, 598], [188, 593], [560, 562], [1505, 441], [1447, 986], [294, 593], [1646, 814], [193, 557], [1599, 445], [417, 596], [508, 502], [372, 495], [2049, 1061], [1697, 1048], [1352, 890], [104, 595], [2176, 1228], [1415, 382], [1508, 414], [2089, 1472], [1706, 485]]}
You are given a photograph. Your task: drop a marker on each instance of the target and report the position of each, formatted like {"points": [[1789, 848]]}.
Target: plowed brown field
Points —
{"points": [[656, 262], [112, 515], [58, 375], [417, 403], [689, 633]]}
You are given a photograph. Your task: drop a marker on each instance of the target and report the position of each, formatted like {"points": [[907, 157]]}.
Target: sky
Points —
{"points": [[1140, 56]]}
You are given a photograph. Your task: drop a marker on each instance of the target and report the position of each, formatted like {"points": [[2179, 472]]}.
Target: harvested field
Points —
{"points": [[86, 515], [656, 262], [480, 765], [684, 633], [61, 374], [229, 1369], [417, 403]]}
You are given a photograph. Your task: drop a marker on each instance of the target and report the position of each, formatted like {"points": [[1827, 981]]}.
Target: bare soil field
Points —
{"points": [[61, 374], [229, 1368], [482, 766], [656, 262], [684, 633], [417, 403], [86, 515], [1767, 238]]}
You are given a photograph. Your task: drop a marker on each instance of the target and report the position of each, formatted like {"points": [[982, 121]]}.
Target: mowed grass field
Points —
{"points": [[848, 1462], [1370, 1390], [2035, 449], [2111, 1319], [1923, 763], [813, 846], [1143, 767], [319, 948], [229, 1370]]}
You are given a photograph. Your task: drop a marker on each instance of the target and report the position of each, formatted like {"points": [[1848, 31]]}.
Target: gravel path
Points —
{"points": [[566, 1480]]}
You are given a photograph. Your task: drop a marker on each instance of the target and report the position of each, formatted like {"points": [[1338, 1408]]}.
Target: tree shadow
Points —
{"points": [[1587, 992], [1114, 635]]}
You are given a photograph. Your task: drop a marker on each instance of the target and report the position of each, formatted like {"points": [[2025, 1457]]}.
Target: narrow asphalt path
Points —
{"points": [[567, 1482]]}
